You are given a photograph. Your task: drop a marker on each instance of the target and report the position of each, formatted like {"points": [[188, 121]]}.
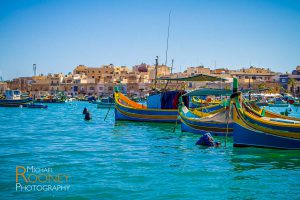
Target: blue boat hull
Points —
{"points": [[49, 101], [36, 106], [14, 103], [198, 127], [245, 136], [145, 115]]}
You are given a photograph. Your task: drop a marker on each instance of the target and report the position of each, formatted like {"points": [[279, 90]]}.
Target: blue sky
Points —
{"points": [[58, 35]]}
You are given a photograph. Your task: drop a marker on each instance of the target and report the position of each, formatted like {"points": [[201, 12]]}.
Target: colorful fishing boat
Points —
{"points": [[161, 106], [198, 102], [265, 113], [13, 99], [50, 99], [278, 102], [213, 119], [253, 129]]}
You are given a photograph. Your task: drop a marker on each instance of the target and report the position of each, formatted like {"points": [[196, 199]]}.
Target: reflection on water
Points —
{"points": [[252, 158]]}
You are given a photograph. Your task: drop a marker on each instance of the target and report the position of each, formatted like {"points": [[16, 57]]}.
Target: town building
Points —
{"points": [[291, 82], [3, 87], [21, 83], [253, 77], [191, 71]]}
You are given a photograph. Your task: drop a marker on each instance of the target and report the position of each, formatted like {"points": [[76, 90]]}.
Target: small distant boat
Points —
{"points": [[201, 102], [278, 103], [105, 102], [49, 99], [33, 105], [13, 99], [262, 103]]}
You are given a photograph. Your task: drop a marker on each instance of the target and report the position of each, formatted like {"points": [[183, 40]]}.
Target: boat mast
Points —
{"points": [[168, 38], [156, 66], [170, 75]]}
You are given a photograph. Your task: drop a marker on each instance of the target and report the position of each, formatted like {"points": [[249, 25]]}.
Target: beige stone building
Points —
{"points": [[253, 74], [3, 87], [191, 71], [21, 83], [105, 89], [97, 73]]}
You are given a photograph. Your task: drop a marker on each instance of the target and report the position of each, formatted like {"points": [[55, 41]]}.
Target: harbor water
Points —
{"points": [[128, 160]]}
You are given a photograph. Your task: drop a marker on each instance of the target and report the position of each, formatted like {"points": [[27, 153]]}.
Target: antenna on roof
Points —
{"points": [[172, 66]]}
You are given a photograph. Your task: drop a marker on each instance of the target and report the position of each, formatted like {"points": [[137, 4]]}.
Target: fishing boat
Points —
{"points": [[278, 102], [162, 106], [214, 120], [105, 102], [13, 99], [265, 113], [262, 103], [50, 99], [33, 105], [253, 129], [196, 101]]}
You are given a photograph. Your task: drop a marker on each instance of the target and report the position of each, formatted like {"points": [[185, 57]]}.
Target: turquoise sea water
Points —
{"points": [[127, 160]]}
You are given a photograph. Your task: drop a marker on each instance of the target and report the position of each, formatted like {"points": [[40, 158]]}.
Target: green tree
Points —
{"points": [[292, 83], [261, 86]]}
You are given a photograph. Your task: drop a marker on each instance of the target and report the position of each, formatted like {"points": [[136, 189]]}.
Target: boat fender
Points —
{"points": [[207, 140], [87, 116], [85, 110]]}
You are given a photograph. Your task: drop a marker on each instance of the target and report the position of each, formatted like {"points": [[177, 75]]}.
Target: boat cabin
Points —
{"points": [[164, 100], [13, 94]]}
